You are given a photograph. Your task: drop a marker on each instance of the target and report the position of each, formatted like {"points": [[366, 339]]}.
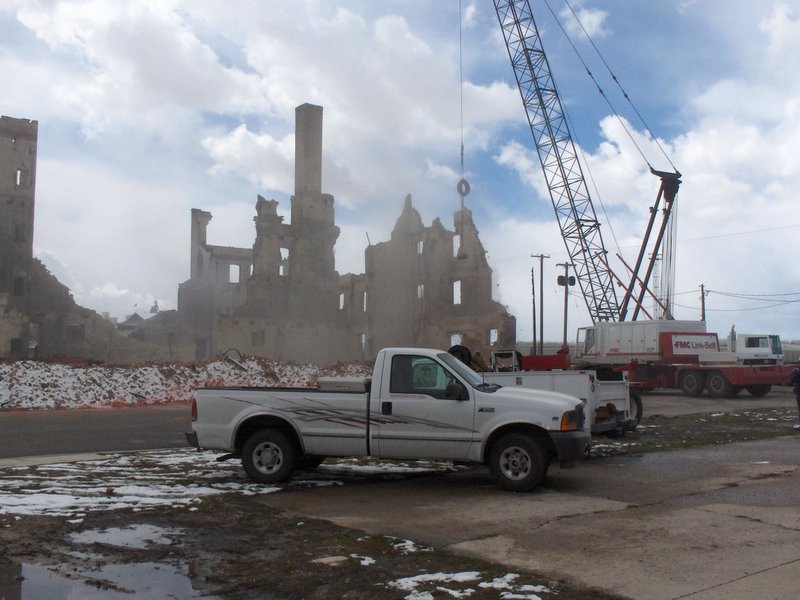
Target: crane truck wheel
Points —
{"points": [[759, 390], [718, 385], [691, 383]]}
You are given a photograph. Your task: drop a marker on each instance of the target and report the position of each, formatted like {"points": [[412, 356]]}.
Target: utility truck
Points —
{"points": [[611, 406], [664, 353], [418, 404]]}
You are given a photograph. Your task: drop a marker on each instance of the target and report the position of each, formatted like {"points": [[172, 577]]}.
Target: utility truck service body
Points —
{"points": [[610, 405], [418, 404], [673, 354]]}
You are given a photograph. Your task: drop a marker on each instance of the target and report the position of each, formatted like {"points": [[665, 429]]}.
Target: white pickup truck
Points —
{"points": [[418, 404]]}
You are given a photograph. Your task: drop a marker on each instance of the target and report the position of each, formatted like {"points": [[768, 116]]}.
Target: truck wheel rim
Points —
{"points": [[515, 463], [267, 457]]}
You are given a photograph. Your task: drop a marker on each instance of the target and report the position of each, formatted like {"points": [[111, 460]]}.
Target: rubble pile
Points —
{"points": [[31, 385]]}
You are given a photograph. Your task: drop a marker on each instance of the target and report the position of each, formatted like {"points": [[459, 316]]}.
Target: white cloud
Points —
{"points": [[592, 21], [259, 159], [180, 105]]}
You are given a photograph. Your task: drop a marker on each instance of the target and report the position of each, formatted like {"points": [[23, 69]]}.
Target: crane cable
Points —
{"points": [[600, 89], [619, 85], [463, 185]]}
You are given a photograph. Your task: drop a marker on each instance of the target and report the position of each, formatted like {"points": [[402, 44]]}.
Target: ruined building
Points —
{"points": [[283, 298]]}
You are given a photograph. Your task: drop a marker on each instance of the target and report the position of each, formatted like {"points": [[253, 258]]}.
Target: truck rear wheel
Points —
{"points": [[758, 390], [269, 456], [718, 385], [518, 462], [691, 383]]}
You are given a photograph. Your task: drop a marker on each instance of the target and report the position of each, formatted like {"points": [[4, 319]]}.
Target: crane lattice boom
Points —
{"points": [[576, 216]]}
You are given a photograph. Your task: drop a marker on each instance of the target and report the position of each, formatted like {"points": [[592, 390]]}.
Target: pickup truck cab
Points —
{"points": [[418, 404]]}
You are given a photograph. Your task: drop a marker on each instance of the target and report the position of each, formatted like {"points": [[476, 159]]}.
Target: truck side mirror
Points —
{"points": [[456, 391]]}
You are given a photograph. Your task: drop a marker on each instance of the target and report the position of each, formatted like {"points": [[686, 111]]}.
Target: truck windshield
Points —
{"points": [[459, 367]]}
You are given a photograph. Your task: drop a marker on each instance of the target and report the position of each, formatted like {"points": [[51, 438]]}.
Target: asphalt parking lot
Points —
{"points": [[714, 522]]}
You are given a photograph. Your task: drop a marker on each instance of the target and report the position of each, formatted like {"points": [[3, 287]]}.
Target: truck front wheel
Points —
{"points": [[518, 462], [269, 456], [718, 385], [691, 383]]}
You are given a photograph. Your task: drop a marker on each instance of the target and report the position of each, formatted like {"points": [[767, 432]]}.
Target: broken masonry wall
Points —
{"points": [[217, 285], [396, 283], [268, 286], [354, 302], [430, 287], [64, 329], [283, 340]]}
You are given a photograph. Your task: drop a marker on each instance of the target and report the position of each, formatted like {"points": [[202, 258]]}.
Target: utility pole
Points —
{"points": [[566, 280], [702, 302], [541, 258], [533, 312]]}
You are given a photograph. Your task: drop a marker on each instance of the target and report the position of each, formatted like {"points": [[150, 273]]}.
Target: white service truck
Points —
{"points": [[611, 407], [418, 404]]}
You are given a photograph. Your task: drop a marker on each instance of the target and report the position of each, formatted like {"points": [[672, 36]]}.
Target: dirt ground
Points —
{"points": [[235, 546]]}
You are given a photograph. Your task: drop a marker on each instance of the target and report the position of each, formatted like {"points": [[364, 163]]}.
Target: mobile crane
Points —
{"points": [[580, 230]]}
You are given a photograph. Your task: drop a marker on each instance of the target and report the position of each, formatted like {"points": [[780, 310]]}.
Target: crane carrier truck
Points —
{"points": [[666, 353]]}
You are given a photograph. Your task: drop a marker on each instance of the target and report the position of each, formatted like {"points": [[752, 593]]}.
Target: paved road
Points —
{"points": [[53, 432]]}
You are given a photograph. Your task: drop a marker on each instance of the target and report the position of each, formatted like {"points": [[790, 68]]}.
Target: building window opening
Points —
{"points": [[283, 269], [364, 301], [421, 290], [456, 244], [362, 339], [455, 339], [492, 337], [18, 178], [420, 245], [234, 273], [457, 292], [341, 301]]}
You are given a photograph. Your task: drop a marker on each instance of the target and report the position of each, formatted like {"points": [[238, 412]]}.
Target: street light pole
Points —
{"points": [[566, 280]]}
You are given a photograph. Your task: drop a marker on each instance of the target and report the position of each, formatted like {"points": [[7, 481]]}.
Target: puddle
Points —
{"points": [[111, 582], [134, 536]]}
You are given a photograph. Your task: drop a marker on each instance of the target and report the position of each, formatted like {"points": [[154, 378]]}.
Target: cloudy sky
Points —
{"points": [[148, 108]]}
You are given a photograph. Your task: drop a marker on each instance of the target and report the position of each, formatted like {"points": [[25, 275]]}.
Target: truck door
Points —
{"points": [[425, 411]]}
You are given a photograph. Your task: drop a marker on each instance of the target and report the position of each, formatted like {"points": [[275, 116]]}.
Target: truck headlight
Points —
{"points": [[572, 420]]}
